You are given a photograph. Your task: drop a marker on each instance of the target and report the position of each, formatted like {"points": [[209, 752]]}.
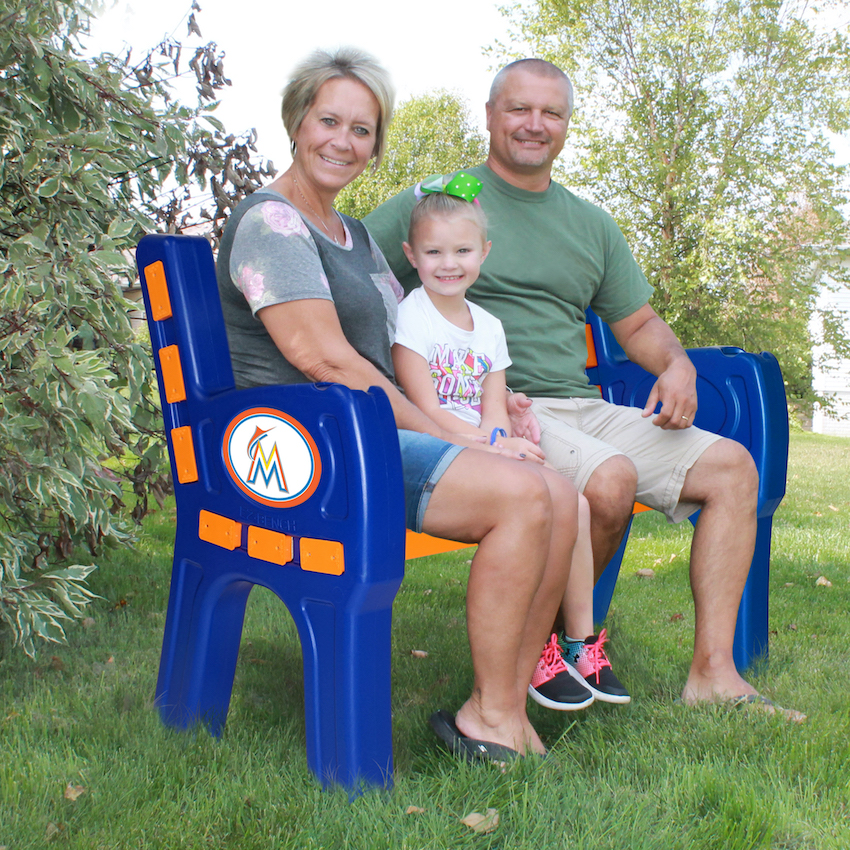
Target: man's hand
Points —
{"points": [[676, 390], [523, 422]]}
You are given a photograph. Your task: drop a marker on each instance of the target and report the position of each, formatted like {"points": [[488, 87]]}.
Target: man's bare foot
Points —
{"points": [[743, 694], [717, 680]]}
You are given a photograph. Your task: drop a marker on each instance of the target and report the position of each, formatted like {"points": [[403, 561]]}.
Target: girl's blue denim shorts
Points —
{"points": [[424, 459]]}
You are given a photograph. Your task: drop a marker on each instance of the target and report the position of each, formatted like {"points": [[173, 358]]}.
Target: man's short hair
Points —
{"points": [[540, 67]]}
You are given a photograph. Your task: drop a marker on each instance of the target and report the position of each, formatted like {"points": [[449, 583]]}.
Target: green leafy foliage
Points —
{"points": [[86, 146], [704, 127], [429, 134]]}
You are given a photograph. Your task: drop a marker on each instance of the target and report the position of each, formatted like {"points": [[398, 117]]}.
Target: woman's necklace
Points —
{"points": [[309, 207]]}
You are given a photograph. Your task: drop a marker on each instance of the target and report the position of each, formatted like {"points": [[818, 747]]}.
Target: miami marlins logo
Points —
{"points": [[269, 466], [271, 457]]}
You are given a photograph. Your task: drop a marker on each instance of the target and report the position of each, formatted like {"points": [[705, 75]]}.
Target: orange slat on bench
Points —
{"points": [[322, 556], [219, 530], [591, 348], [271, 546], [184, 454], [172, 374], [158, 291], [419, 545]]}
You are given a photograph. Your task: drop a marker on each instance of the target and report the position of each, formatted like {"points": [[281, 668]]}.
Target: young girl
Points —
{"points": [[450, 358]]}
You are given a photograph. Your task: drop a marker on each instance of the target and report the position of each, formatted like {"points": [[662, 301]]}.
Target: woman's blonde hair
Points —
{"points": [[347, 63]]}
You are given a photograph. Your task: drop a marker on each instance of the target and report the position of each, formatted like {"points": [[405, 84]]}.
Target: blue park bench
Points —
{"points": [[298, 489]]}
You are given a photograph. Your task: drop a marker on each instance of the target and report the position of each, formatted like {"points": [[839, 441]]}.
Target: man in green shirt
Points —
{"points": [[554, 255]]}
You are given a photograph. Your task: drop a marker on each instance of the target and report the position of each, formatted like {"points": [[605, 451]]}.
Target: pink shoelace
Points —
{"points": [[550, 664], [595, 655]]}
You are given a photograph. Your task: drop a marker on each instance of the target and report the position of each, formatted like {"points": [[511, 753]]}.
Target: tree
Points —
{"points": [[86, 146], [703, 127], [430, 134]]}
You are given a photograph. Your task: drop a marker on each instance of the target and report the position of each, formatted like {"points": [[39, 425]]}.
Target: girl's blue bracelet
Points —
{"points": [[496, 433]]}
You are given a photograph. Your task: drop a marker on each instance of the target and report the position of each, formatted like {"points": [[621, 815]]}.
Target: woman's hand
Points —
{"points": [[524, 448]]}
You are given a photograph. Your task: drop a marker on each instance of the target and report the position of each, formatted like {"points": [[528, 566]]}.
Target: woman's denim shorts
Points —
{"points": [[424, 459]]}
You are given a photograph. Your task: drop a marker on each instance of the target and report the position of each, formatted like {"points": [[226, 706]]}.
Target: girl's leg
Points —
{"points": [[588, 658], [577, 605], [515, 582]]}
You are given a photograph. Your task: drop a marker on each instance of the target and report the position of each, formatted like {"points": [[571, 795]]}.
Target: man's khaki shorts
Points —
{"points": [[578, 434]]}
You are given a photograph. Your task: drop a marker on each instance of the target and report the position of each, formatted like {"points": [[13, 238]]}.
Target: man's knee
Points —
{"points": [[611, 490], [726, 468]]}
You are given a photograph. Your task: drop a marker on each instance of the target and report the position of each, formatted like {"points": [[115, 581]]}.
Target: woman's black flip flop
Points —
{"points": [[471, 749]]}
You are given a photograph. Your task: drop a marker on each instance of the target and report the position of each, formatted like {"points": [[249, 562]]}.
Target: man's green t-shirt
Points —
{"points": [[553, 255]]}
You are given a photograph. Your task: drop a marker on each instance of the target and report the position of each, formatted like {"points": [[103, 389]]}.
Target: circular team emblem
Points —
{"points": [[271, 457]]}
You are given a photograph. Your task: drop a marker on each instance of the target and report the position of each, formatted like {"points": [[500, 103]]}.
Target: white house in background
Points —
{"points": [[834, 379]]}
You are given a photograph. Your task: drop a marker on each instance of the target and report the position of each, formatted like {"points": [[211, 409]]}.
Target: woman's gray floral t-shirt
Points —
{"points": [[273, 256]]}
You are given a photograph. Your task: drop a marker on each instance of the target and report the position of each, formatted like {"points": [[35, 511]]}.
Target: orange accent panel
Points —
{"points": [[269, 546], [322, 556], [639, 508], [172, 374], [219, 530], [158, 291], [419, 545], [591, 348], [184, 454]]}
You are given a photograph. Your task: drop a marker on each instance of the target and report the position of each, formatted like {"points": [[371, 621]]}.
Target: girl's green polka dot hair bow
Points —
{"points": [[460, 184]]}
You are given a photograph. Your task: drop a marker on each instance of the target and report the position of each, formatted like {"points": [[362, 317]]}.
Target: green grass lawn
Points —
{"points": [[86, 763]]}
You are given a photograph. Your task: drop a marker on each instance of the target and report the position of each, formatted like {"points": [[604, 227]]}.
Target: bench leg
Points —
{"points": [[347, 704], [603, 590], [751, 629], [201, 643]]}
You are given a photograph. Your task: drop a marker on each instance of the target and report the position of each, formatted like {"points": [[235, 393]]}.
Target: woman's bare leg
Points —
{"points": [[550, 594], [515, 582]]}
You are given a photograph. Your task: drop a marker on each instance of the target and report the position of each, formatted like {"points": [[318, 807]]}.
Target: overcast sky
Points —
{"points": [[262, 41]]}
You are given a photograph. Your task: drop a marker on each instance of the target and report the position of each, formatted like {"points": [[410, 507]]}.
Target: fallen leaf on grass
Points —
{"points": [[418, 653], [645, 572], [53, 829], [793, 627], [482, 823], [414, 810], [677, 617], [74, 792], [823, 581], [88, 622], [833, 508]]}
